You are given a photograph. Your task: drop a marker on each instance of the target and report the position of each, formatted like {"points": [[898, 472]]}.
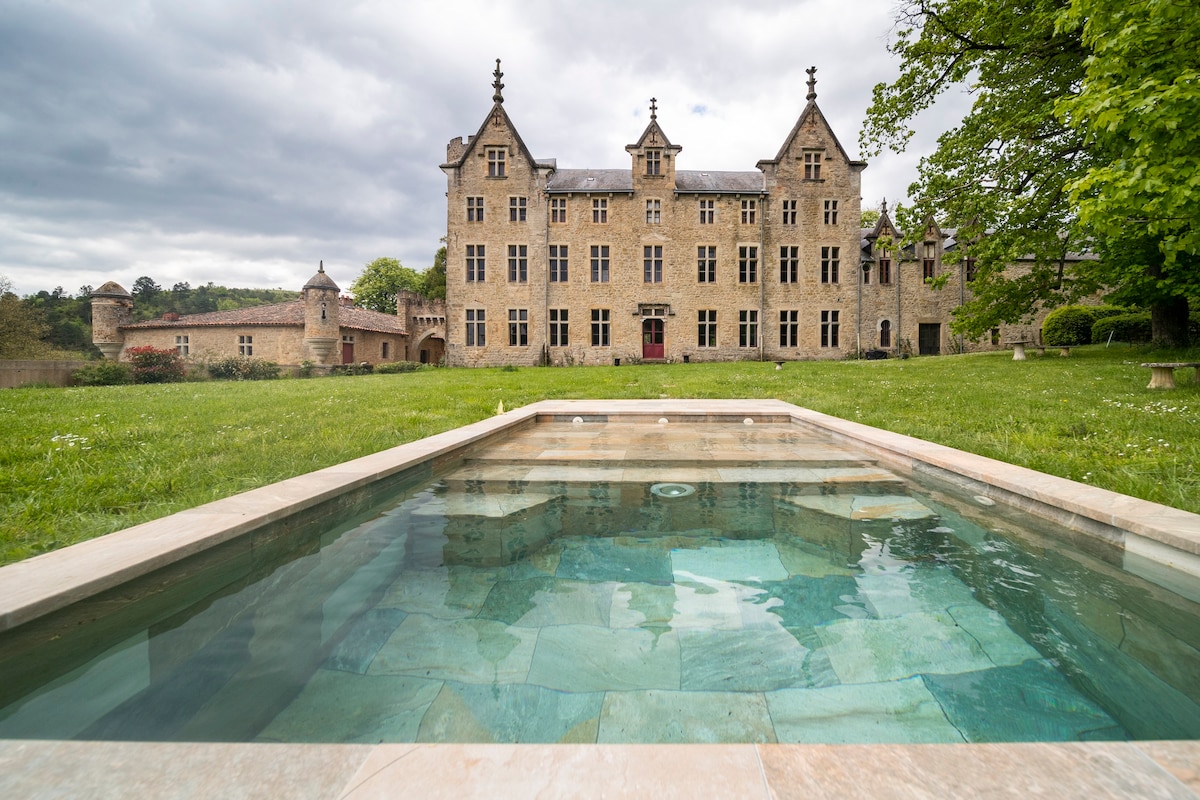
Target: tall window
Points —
{"points": [[969, 269], [929, 261], [600, 263], [476, 328], [748, 328], [516, 209], [558, 263], [829, 264], [474, 209], [885, 333], [789, 212], [476, 271], [182, 345], [789, 328], [652, 260], [706, 264], [518, 263], [653, 162], [707, 211], [829, 329], [600, 327], [885, 271], [748, 264], [866, 273], [831, 212], [749, 211], [558, 209], [789, 264], [558, 327], [653, 212], [599, 209], [812, 164], [495, 157], [518, 327], [707, 328]]}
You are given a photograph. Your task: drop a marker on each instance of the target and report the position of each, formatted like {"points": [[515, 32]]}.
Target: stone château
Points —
{"points": [[657, 263]]}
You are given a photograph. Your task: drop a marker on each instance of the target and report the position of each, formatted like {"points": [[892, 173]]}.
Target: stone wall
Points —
{"points": [[24, 372]]}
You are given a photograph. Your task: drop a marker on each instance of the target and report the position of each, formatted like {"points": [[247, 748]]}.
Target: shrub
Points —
{"points": [[102, 373], [393, 367], [240, 368], [154, 365], [1123, 328], [1068, 326], [362, 368], [1100, 312]]}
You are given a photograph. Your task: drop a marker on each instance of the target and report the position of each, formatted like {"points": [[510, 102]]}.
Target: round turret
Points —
{"points": [[112, 307], [322, 330]]}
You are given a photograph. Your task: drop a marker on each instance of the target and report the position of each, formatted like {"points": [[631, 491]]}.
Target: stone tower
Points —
{"points": [[112, 307], [322, 330]]}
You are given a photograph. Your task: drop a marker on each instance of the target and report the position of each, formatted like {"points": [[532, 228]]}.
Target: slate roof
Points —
{"points": [[590, 180], [289, 314], [719, 182], [686, 181]]}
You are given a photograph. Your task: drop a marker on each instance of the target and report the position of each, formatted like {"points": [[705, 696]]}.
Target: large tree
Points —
{"points": [[1016, 174], [376, 288], [21, 326], [433, 280], [1138, 108]]}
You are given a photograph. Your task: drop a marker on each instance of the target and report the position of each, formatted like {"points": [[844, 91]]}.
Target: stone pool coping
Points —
{"points": [[1150, 534], [1062, 771]]}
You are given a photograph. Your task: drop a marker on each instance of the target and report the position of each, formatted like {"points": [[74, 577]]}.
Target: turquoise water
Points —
{"points": [[559, 611]]}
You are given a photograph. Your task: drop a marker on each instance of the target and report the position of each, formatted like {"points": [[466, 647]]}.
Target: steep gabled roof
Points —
{"points": [[809, 111], [499, 118]]}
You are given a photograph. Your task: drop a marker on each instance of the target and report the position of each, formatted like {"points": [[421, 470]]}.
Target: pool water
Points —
{"points": [[549, 589]]}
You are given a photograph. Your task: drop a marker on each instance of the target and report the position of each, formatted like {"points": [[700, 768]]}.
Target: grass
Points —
{"points": [[78, 463]]}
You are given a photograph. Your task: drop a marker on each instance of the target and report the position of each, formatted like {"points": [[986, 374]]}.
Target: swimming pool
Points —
{"points": [[540, 591]]}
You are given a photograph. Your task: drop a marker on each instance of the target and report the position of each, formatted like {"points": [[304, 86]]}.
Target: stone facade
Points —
{"points": [[652, 262], [321, 328]]}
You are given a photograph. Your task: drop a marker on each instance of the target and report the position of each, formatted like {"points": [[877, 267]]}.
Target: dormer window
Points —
{"points": [[495, 158], [928, 263], [654, 162]]}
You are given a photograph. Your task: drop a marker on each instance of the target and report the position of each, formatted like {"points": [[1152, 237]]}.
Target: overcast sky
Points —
{"points": [[243, 141]]}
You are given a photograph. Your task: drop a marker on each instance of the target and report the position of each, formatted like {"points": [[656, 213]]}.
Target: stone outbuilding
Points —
{"points": [[321, 328]]}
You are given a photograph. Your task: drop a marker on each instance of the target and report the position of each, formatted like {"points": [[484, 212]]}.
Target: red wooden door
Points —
{"points": [[652, 338], [347, 352]]}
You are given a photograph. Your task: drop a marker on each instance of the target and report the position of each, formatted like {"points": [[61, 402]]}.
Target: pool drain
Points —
{"points": [[672, 490]]}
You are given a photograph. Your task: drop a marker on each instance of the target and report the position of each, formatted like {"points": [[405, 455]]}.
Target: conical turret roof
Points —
{"points": [[321, 280]]}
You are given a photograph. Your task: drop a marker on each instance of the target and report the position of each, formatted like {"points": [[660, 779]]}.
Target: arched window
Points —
{"points": [[322, 311], [885, 333]]}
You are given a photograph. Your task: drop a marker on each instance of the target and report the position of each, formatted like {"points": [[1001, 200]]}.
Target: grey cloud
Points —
{"points": [[241, 142]]}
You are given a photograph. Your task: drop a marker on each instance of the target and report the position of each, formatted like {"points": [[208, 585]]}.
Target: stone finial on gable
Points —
{"points": [[498, 97], [812, 83]]}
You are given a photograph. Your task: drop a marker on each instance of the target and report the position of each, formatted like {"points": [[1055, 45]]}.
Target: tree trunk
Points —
{"points": [[1169, 322]]}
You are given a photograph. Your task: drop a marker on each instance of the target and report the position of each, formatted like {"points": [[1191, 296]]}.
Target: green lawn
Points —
{"points": [[77, 463]]}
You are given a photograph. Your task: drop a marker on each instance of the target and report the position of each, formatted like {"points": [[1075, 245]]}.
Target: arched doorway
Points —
{"points": [[652, 338]]}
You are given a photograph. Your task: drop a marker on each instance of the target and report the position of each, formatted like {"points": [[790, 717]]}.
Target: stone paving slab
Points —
{"points": [[42, 770]]}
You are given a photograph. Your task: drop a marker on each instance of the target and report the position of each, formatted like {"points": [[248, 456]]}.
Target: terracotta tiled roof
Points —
{"points": [[286, 314], [364, 319]]}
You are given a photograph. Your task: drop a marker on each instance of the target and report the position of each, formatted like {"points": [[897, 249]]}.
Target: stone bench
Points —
{"points": [[1162, 374], [1019, 349]]}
